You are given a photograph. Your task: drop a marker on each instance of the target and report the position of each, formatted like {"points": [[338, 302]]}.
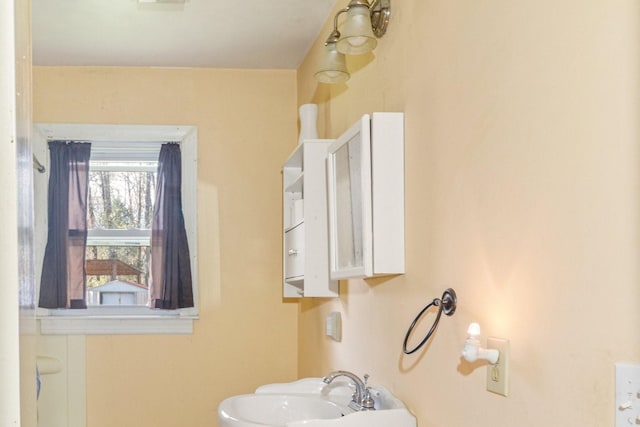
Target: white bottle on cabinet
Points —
{"points": [[305, 245]]}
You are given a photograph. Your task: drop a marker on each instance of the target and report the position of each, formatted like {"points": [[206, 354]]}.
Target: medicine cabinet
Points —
{"points": [[365, 183], [305, 242]]}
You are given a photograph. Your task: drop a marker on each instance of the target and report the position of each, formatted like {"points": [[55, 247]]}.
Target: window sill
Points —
{"points": [[77, 322]]}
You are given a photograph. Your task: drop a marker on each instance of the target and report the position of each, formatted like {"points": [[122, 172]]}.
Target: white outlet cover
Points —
{"points": [[334, 326], [498, 374]]}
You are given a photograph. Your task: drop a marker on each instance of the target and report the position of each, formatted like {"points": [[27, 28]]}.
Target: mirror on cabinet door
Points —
{"points": [[365, 173], [349, 175]]}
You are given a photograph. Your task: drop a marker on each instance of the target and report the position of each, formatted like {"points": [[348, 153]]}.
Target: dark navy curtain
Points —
{"points": [[63, 280], [170, 285]]}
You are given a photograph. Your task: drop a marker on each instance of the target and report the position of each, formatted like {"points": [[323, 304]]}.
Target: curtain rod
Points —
{"points": [[37, 165]]}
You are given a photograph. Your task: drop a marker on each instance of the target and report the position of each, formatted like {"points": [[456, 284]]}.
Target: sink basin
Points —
{"points": [[311, 403], [275, 409]]}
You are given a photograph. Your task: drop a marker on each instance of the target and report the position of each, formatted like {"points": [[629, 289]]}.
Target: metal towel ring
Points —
{"points": [[446, 304]]}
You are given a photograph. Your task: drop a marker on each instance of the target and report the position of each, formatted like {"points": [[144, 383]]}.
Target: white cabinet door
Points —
{"points": [[365, 172]]}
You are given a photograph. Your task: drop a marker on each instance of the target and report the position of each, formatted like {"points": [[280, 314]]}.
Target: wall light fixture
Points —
{"points": [[472, 350], [364, 24]]}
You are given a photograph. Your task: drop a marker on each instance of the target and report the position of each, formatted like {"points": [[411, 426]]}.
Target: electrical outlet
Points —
{"points": [[498, 374]]}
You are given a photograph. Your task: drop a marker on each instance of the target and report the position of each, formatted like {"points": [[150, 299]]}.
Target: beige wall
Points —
{"points": [[522, 169], [245, 336]]}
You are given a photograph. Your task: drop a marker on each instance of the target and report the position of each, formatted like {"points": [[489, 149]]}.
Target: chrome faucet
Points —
{"points": [[361, 399]]}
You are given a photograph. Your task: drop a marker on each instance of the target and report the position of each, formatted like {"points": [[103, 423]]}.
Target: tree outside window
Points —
{"points": [[119, 215]]}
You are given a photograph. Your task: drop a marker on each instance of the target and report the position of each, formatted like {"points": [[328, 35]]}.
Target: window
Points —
{"points": [[119, 215], [122, 181]]}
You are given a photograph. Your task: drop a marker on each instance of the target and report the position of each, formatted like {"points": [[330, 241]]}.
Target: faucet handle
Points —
{"points": [[368, 404]]}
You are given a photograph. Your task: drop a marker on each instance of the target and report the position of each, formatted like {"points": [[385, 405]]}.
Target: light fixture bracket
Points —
{"points": [[333, 37], [380, 12]]}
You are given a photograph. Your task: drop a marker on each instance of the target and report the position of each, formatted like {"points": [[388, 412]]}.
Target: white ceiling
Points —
{"points": [[269, 34]]}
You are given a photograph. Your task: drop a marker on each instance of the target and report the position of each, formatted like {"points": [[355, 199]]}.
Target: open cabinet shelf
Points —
{"points": [[305, 246]]}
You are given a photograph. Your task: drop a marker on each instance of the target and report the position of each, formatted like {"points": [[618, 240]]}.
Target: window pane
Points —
{"points": [[121, 196], [117, 275], [120, 199]]}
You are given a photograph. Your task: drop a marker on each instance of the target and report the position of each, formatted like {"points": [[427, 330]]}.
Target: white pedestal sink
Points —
{"points": [[311, 403]]}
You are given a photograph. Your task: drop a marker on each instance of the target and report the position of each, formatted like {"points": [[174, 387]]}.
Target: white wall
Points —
{"points": [[17, 356], [9, 316], [62, 400]]}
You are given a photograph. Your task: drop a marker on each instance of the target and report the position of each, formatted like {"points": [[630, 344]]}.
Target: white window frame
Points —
{"points": [[130, 319]]}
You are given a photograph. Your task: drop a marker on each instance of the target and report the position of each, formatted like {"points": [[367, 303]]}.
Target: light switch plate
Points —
{"points": [[498, 374], [627, 402]]}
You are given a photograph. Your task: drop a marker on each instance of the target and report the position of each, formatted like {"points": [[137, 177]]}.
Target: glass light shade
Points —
{"points": [[333, 68], [357, 34], [474, 329]]}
